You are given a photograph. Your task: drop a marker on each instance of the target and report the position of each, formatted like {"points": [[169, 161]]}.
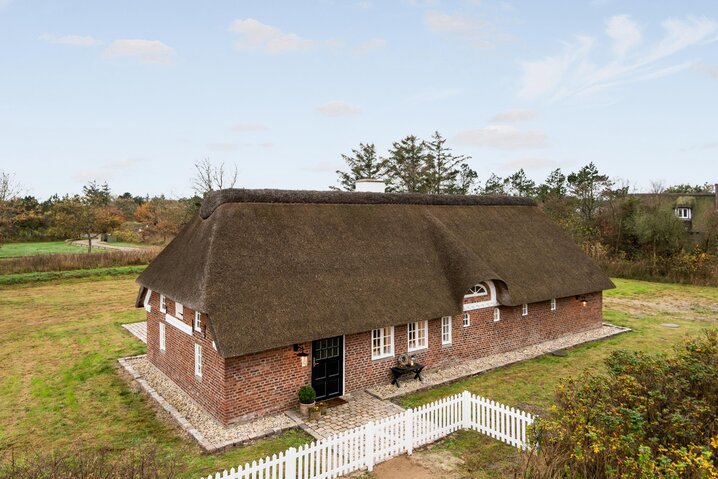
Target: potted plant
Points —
{"points": [[307, 395], [315, 412]]}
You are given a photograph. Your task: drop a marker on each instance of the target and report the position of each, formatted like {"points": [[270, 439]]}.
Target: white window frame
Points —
{"points": [[553, 305], [684, 212], [163, 303], [381, 352], [524, 309], [163, 340], [179, 310], [418, 325], [198, 360], [497, 315], [467, 320], [482, 291], [446, 330], [198, 321]]}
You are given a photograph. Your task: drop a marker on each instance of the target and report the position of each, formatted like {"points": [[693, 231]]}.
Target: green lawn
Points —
{"points": [[12, 250], [59, 384]]}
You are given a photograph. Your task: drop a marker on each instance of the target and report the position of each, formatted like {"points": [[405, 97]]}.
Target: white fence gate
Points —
{"points": [[375, 442]]}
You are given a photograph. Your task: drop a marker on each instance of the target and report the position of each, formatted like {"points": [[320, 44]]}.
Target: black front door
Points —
{"points": [[327, 359]]}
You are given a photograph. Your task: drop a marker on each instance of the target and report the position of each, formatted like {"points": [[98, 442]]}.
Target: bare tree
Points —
{"points": [[210, 177], [9, 190], [9, 187]]}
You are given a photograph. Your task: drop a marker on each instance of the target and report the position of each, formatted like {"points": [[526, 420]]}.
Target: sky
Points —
{"points": [[136, 92]]}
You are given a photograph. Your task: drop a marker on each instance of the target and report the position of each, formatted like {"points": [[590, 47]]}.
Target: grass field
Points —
{"points": [[59, 384], [13, 250]]}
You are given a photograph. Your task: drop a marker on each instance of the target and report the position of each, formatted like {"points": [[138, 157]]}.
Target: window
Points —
{"points": [[197, 321], [417, 335], [179, 311], [477, 290], [382, 343], [683, 213], [524, 309], [446, 330], [467, 320], [163, 303], [198, 360], [497, 314], [553, 305], [162, 336]]}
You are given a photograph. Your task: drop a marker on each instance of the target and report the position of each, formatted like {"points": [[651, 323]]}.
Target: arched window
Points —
{"points": [[477, 290]]}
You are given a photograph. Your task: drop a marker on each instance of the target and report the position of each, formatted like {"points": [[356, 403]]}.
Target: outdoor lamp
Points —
{"points": [[303, 356]]}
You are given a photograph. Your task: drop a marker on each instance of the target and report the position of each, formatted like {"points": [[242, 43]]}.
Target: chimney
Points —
{"points": [[370, 185]]}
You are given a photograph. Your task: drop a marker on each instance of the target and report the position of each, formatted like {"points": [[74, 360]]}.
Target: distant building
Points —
{"points": [[691, 208]]}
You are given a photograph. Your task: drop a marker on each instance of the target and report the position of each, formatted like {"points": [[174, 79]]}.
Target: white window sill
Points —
{"points": [[379, 358], [446, 344], [422, 348]]}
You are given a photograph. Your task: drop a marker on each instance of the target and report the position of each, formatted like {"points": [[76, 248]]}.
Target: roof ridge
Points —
{"points": [[241, 195]]}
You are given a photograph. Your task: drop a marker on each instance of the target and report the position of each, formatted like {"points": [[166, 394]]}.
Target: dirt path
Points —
{"points": [[103, 245], [425, 464]]}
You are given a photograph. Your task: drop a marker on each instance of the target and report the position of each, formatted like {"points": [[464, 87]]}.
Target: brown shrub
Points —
{"points": [[64, 262], [138, 463]]}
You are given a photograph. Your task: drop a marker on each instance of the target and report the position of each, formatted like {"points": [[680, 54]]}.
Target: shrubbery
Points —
{"points": [[138, 463], [650, 416]]}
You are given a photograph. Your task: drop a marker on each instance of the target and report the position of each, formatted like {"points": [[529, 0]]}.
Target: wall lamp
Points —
{"points": [[583, 299], [302, 355]]}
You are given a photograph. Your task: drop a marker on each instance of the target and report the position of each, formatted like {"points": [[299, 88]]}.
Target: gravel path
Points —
{"points": [[211, 435], [435, 377]]}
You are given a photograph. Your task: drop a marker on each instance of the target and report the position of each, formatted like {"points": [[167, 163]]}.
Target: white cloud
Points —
{"points": [[503, 137], [369, 45], [517, 114], [225, 147], [441, 22], [338, 108], [624, 32], [106, 171], [572, 72], [254, 35], [248, 127], [478, 33], [76, 40], [710, 70], [147, 51]]}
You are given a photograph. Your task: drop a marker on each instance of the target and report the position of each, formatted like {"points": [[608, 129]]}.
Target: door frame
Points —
{"points": [[343, 365]]}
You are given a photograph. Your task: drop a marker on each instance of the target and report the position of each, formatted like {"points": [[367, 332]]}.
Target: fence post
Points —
{"points": [[466, 410], [409, 430], [290, 463], [369, 445]]}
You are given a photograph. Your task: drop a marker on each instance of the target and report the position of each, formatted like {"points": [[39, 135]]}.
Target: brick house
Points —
{"points": [[353, 279]]}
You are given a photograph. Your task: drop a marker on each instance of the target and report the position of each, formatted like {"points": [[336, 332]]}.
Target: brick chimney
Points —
{"points": [[374, 186]]}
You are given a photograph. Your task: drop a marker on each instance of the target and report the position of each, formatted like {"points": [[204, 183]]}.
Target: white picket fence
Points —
{"points": [[374, 442]]}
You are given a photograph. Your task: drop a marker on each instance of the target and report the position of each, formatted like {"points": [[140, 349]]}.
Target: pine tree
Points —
{"points": [[554, 186], [519, 184], [446, 172], [407, 166], [495, 185], [363, 164]]}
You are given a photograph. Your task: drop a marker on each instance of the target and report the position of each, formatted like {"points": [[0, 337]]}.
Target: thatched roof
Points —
{"points": [[272, 268]]}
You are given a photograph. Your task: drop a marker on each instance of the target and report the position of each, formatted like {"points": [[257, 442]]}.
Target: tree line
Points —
{"points": [[600, 213]]}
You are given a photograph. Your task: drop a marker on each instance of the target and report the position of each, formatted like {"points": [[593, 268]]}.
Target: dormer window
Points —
{"points": [[477, 290], [683, 213]]}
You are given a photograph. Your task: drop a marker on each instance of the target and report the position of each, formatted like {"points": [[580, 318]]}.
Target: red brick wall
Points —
{"points": [[177, 361], [243, 387], [265, 382], [483, 337]]}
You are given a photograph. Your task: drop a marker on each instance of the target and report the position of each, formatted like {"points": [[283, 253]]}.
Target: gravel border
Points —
{"points": [[195, 420], [440, 376]]}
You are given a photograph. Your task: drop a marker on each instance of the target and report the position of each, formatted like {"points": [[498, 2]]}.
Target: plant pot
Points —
{"points": [[314, 415], [304, 409]]}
